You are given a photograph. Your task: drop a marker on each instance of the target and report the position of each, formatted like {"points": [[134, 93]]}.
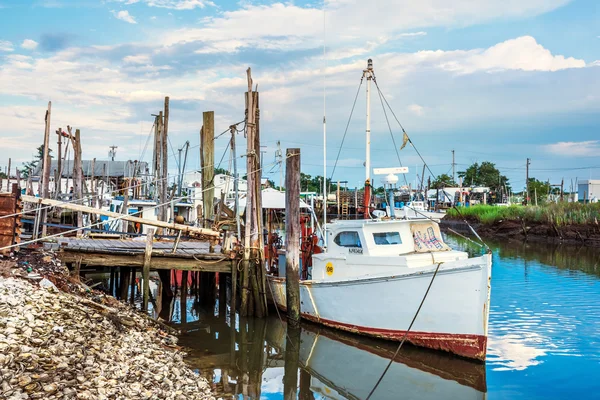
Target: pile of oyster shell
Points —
{"points": [[54, 345]]}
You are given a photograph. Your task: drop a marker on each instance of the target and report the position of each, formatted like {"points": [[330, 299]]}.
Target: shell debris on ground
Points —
{"points": [[56, 345]]}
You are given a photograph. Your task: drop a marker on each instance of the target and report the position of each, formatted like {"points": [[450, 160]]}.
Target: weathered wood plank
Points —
{"points": [[156, 263], [77, 207]]}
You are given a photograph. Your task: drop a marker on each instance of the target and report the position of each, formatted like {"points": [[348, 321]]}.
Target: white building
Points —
{"points": [[588, 191], [223, 184]]}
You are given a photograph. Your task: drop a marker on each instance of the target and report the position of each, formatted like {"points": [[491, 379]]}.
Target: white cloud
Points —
{"points": [[522, 53], [6, 45], [416, 109], [123, 15], [574, 149], [137, 59], [173, 4], [29, 44]]}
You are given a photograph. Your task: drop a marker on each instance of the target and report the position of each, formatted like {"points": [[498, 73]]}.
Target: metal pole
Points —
{"points": [[179, 174], [369, 75]]}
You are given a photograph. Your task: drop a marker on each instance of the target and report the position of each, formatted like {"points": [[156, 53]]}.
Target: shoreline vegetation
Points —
{"points": [[59, 339], [554, 222]]}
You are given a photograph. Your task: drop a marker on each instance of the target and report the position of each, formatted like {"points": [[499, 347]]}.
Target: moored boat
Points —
{"points": [[375, 272]]}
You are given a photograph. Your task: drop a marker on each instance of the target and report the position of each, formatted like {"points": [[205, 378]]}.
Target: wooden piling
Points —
{"points": [[146, 269], [292, 229], [132, 286], [207, 158], [125, 277], [46, 168], [165, 162]]}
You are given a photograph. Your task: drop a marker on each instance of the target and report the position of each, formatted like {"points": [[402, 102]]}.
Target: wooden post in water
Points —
{"points": [[125, 276], [46, 168], [183, 298], [207, 159], [292, 229], [292, 354], [146, 269], [305, 393]]}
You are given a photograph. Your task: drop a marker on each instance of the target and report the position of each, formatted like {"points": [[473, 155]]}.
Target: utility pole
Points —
{"points": [[453, 168], [279, 158], [112, 152], [527, 181]]}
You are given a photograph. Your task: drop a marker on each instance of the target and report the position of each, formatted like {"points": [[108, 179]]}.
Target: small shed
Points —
{"points": [[588, 191]]}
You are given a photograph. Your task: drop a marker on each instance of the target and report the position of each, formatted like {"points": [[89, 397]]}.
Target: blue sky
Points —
{"points": [[495, 80]]}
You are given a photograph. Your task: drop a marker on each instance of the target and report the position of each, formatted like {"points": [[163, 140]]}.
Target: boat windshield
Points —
{"points": [[384, 238]]}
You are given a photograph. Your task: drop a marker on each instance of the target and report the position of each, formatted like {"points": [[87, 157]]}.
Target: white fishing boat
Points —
{"points": [[374, 274]]}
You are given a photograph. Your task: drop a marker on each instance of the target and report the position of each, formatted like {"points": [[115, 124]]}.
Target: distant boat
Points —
{"points": [[343, 366], [415, 210], [375, 272]]}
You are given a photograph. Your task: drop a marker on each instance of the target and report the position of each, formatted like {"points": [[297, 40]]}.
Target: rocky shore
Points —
{"points": [[61, 340]]}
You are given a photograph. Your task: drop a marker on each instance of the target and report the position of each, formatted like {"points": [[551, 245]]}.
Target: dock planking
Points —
{"points": [[189, 256]]}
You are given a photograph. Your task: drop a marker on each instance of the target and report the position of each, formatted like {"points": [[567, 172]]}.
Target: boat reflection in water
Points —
{"points": [[346, 366], [255, 361]]}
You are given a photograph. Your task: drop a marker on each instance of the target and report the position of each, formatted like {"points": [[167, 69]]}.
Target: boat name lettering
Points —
{"points": [[355, 250]]}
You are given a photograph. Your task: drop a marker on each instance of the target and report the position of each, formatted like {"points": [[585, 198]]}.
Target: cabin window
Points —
{"points": [[387, 238], [347, 239]]}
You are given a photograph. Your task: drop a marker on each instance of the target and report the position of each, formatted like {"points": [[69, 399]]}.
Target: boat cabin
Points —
{"points": [[369, 247]]}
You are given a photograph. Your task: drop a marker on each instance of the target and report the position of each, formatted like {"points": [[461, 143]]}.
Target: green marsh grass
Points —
{"points": [[559, 214]]}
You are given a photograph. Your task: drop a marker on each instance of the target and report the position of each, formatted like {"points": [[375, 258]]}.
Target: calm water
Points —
{"points": [[544, 342]]}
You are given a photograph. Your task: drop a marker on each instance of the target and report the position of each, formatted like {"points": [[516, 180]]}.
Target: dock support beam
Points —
{"points": [[292, 229], [146, 269]]}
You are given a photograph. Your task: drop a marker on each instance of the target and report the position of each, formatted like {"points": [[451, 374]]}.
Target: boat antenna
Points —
{"points": [[324, 136]]}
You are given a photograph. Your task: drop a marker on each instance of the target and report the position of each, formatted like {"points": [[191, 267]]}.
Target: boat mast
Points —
{"points": [[324, 140], [368, 73]]}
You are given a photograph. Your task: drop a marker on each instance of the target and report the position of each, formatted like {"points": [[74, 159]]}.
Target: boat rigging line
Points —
{"points": [[346, 131], [405, 333], [429, 169]]}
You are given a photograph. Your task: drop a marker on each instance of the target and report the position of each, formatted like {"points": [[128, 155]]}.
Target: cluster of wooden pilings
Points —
{"points": [[247, 252]]}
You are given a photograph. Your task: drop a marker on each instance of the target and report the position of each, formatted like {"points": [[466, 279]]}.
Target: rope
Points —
{"points": [[100, 195], [405, 334], [101, 222], [429, 169], [390, 129], [346, 131]]}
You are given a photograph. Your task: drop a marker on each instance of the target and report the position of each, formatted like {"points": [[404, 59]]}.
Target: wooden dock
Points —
{"points": [[189, 256]]}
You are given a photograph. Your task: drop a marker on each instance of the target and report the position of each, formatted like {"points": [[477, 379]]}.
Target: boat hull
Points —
{"points": [[453, 318]]}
